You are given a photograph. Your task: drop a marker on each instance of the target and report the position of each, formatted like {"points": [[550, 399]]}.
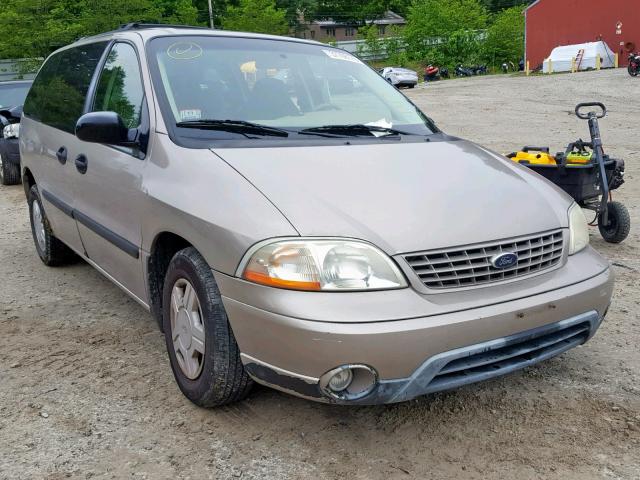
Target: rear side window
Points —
{"points": [[120, 86], [58, 94]]}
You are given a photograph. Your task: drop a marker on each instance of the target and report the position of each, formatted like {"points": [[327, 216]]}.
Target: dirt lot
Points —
{"points": [[86, 390]]}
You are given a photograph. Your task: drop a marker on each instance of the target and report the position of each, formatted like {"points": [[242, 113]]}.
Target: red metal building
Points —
{"points": [[551, 23]]}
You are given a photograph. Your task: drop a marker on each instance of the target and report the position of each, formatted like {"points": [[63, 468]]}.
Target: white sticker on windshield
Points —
{"points": [[190, 114], [340, 55], [184, 51]]}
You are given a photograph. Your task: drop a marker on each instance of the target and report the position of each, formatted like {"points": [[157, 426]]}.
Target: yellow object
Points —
{"points": [[248, 67], [616, 60], [573, 65], [581, 158], [598, 62], [534, 158], [528, 70], [544, 158]]}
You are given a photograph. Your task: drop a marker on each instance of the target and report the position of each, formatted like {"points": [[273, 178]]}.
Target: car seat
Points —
{"points": [[270, 99]]}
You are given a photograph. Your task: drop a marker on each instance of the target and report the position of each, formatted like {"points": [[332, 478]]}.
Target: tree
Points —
{"points": [[356, 12], [180, 12], [373, 45], [39, 27], [432, 23], [260, 16], [393, 46], [298, 12], [498, 5], [505, 37]]}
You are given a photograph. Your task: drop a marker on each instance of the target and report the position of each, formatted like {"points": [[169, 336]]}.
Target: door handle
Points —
{"points": [[61, 155], [82, 163]]}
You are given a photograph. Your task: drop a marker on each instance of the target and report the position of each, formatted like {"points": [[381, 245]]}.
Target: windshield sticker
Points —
{"points": [[184, 51], [339, 55], [190, 114]]}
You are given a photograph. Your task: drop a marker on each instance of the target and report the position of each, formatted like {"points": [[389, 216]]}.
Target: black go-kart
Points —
{"points": [[587, 174]]}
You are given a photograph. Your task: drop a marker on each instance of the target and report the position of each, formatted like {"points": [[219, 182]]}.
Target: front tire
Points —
{"points": [[9, 172], [203, 352], [619, 223], [50, 249], [633, 70]]}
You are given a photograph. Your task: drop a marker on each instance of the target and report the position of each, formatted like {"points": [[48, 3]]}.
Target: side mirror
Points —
{"points": [[103, 127]]}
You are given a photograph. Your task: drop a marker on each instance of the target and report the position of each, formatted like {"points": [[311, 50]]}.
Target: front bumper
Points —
{"points": [[286, 352], [447, 370]]}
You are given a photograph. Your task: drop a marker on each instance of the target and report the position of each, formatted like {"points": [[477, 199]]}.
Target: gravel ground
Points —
{"points": [[86, 390]]}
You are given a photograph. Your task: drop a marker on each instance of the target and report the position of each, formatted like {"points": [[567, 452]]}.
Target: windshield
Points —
{"points": [[13, 94], [287, 85]]}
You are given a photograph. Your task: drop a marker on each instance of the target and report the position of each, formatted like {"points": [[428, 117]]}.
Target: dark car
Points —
{"points": [[12, 95]]}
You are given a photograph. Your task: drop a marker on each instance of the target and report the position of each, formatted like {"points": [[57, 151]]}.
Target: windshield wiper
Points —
{"points": [[234, 126], [352, 130]]}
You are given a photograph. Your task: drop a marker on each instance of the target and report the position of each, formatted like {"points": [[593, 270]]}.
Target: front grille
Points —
{"points": [[515, 354], [470, 266]]}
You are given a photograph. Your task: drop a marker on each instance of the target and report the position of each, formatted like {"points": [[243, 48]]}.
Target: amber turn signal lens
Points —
{"points": [[263, 279]]}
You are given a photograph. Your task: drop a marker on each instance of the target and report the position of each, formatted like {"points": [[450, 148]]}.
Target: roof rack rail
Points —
{"points": [[140, 25]]}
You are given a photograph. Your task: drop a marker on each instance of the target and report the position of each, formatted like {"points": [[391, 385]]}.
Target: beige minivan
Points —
{"points": [[292, 219]]}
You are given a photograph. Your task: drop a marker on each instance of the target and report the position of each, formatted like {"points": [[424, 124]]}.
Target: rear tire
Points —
{"points": [[51, 251], [619, 223], [9, 172], [203, 352]]}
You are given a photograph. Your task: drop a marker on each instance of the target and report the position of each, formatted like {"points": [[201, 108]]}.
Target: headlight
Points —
{"points": [[578, 229], [11, 131], [328, 265]]}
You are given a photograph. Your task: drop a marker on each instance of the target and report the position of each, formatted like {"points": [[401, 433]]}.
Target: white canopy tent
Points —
{"points": [[561, 58]]}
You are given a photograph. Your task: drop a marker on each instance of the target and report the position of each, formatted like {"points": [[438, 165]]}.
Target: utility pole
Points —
{"points": [[211, 14]]}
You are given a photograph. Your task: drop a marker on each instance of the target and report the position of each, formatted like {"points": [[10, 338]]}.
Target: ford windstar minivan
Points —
{"points": [[292, 219]]}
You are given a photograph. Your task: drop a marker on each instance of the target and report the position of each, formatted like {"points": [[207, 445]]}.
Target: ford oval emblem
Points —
{"points": [[504, 260]]}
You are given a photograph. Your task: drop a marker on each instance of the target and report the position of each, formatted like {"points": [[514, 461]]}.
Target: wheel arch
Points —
{"points": [[28, 180], [164, 246]]}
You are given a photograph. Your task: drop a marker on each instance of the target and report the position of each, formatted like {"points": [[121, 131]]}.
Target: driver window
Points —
{"points": [[120, 86]]}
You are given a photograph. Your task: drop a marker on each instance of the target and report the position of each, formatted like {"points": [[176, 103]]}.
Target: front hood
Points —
{"points": [[403, 197]]}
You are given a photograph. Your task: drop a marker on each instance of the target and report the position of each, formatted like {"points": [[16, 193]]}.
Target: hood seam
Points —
{"points": [[256, 187]]}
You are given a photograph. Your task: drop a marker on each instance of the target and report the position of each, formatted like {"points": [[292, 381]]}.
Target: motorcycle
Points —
{"points": [[479, 69], [431, 73], [634, 64], [463, 71]]}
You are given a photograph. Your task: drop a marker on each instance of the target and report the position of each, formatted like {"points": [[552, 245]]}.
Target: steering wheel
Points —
{"points": [[583, 116], [323, 107]]}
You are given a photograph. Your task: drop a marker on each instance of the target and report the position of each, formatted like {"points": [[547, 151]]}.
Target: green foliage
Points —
{"points": [[438, 18], [35, 29], [445, 32], [498, 5], [180, 12], [505, 37], [356, 12], [373, 44], [298, 11], [393, 45], [260, 16]]}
